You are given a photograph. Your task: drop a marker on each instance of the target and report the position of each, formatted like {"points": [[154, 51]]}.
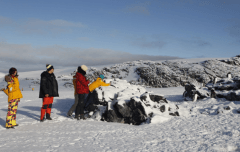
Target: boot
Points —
{"points": [[48, 116], [10, 127], [82, 117]]}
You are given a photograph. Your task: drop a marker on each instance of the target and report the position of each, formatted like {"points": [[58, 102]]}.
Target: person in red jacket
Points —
{"points": [[82, 89]]}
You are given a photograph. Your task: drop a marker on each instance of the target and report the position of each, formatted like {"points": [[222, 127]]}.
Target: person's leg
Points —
{"points": [[14, 110], [80, 105], [86, 104], [73, 106], [49, 108], [43, 111], [44, 108], [9, 115]]}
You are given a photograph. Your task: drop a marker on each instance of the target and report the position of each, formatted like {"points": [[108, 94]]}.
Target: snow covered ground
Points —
{"points": [[192, 131], [202, 126]]}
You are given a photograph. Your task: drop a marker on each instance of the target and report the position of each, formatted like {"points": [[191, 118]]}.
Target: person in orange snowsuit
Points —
{"points": [[73, 108]]}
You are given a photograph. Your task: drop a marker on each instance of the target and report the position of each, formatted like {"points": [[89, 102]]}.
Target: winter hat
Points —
{"points": [[12, 70], [101, 76], [49, 67], [84, 68]]}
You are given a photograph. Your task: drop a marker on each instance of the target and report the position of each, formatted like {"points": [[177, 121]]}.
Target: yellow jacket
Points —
{"points": [[97, 84], [13, 91], [74, 83]]}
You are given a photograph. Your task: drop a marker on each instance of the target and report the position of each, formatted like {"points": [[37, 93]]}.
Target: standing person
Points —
{"points": [[73, 108], [48, 90], [14, 94], [82, 89]]}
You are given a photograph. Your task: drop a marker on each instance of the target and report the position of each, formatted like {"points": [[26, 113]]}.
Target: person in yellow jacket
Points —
{"points": [[14, 94], [98, 83], [73, 108]]}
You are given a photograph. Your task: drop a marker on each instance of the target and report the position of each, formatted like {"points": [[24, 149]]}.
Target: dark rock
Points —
{"points": [[190, 91], [162, 108], [174, 114], [233, 97], [143, 98], [136, 105], [158, 99], [227, 108], [138, 117], [124, 110], [150, 115], [112, 116]]}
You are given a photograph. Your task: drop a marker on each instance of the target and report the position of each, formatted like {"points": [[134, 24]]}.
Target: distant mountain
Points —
{"points": [[158, 74]]}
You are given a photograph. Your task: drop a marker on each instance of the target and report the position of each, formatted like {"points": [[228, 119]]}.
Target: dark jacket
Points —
{"points": [[48, 85], [82, 84]]}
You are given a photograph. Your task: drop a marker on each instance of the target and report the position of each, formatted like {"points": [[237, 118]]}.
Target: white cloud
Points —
{"points": [[37, 26], [25, 57]]}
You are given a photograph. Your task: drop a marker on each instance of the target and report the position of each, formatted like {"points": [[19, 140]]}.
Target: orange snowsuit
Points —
{"points": [[74, 83]]}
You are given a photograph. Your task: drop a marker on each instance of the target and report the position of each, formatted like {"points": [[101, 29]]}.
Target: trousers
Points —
{"points": [[12, 111], [46, 107]]}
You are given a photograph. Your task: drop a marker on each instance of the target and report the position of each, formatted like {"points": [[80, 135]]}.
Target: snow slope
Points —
{"points": [[192, 131]]}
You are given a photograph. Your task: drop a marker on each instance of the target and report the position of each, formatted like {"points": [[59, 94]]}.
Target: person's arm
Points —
{"points": [[5, 91], [44, 86], [104, 84]]}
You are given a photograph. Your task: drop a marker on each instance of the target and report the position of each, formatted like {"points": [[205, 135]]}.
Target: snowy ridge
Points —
{"points": [[170, 73]]}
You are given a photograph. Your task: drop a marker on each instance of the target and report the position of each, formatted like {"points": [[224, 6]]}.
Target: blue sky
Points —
{"points": [[74, 32]]}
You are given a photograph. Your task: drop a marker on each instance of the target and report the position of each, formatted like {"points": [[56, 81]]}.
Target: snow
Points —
{"points": [[203, 125]]}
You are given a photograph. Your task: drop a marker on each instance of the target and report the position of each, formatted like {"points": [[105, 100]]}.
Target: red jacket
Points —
{"points": [[82, 84]]}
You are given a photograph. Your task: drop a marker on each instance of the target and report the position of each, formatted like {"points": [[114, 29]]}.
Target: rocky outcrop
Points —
{"points": [[228, 88], [169, 73], [130, 104]]}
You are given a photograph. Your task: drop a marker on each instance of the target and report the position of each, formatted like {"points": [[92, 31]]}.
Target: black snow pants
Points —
{"points": [[80, 105]]}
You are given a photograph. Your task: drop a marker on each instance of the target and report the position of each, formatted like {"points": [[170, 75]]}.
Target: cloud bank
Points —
{"points": [[27, 58]]}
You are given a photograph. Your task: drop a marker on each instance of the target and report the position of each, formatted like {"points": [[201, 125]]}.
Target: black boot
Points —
{"points": [[82, 117], [10, 127], [48, 116]]}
